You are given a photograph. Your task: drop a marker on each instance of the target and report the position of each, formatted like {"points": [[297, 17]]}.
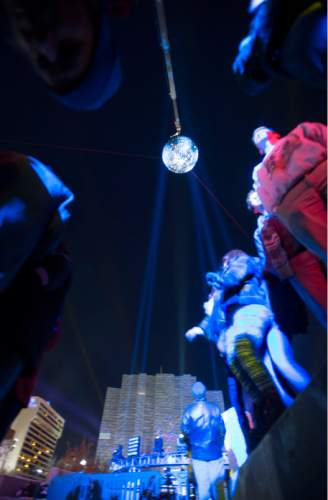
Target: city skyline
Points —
{"points": [[146, 406]]}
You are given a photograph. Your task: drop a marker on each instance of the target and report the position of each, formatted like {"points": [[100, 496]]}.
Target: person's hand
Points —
{"points": [[193, 332], [54, 271], [214, 280]]}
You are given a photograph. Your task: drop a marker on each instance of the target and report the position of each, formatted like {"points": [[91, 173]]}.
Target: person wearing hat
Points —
{"points": [[251, 328], [241, 323], [70, 46], [291, 182], [34, 274], [34, 211], [204, 430], [286, 39]]}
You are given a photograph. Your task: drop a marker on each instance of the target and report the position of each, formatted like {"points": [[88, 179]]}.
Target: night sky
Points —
{"points": [[141, 238]]}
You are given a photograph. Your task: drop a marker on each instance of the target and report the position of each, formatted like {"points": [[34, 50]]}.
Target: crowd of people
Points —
{"points": [[252, 328], [289, 195], [72, 49]]}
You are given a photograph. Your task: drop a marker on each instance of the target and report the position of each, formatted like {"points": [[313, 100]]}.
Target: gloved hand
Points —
{"points": [[214, 280], [193, 332]]}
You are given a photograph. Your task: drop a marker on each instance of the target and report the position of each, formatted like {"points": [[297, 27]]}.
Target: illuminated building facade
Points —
{"points": [[36, 429], [146, 406]]}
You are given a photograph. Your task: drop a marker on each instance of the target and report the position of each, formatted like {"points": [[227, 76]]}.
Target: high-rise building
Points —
{"points": [[146, 406], [36, 430]]}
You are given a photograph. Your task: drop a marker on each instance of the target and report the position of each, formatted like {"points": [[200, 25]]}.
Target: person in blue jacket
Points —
{"points": [[35, 271], [286, 39], [204, 429], [240, 321]]}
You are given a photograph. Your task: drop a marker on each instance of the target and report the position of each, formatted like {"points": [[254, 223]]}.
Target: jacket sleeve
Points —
{"points": [[186, 422], [204, 324], [276, 255], [259, 247], [207, 326], [316, 132], [214, 324], [222, 428]]}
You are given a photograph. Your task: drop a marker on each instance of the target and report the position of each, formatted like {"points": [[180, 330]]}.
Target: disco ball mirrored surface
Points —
{"points": [[180, 154]]}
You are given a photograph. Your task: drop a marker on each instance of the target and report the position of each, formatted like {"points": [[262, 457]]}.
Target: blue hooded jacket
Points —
{"points": [[204, 428]]}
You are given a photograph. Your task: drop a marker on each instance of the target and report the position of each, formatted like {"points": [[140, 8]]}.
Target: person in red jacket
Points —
{"points": [[291, 182], [286, 258]]}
